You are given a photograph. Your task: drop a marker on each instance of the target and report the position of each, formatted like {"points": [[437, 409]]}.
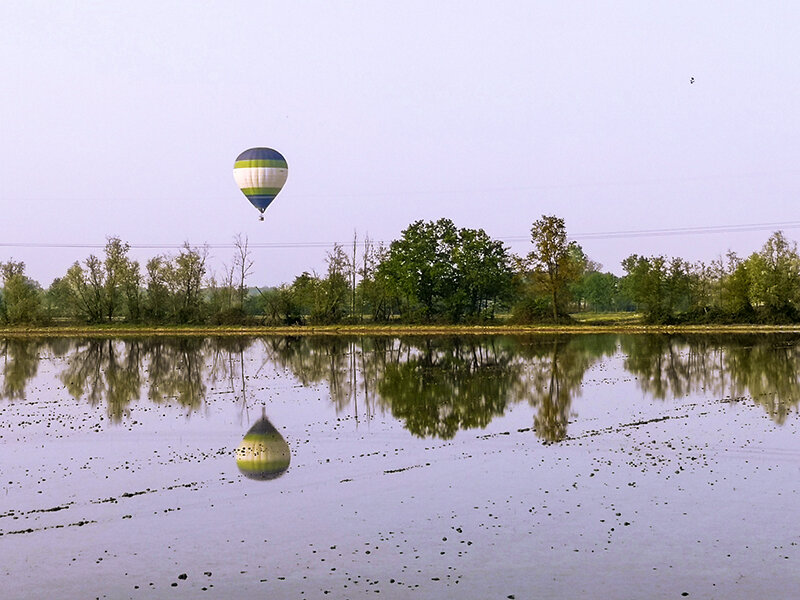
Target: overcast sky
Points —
{"points": [[124, 119]]}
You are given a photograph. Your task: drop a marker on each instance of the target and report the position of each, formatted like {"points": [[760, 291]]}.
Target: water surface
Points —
{"points": [[475, 467]]}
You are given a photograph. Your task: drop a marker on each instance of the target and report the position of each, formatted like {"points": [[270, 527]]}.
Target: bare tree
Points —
{"points": [[353, 269], [243, 263]]}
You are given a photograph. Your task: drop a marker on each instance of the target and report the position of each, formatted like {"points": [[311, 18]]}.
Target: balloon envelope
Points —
{"points": [[260, 173]]}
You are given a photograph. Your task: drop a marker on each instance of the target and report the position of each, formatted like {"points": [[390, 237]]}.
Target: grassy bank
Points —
{"points": [[584, 327]]}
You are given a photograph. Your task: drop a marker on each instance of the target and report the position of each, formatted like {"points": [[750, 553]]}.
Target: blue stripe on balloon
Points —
{"points": [[261, 202], [260, 154]]}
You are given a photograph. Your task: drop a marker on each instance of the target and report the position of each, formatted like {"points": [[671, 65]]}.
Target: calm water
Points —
{"points": [[581, 466]]}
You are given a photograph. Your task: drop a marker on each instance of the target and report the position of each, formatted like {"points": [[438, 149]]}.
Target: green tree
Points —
{"points": [[111, 275], [83, 298], [185, 279], [131, 289], [11, 268], [333, 292], [734, 284], [374, 288], [100, 290], [439, 272], [659, 286], [21, 298], [599, 290], [418, 270], [484, 276], [279, 306], [304, 292], [556, 262], [57, 300], [157, 293], [774, 275]]}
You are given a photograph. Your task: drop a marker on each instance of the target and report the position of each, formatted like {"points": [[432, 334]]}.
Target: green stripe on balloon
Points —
{"points": [[260, 163], [263, 453], [263, 467], [260, 191], [264, 438]]}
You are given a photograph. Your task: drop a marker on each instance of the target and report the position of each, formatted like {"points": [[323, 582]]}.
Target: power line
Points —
{"points": [[597, 235], [701, 230]]}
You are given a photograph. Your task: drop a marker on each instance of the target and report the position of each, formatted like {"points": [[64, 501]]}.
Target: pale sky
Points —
{"points": [[124, 118]]}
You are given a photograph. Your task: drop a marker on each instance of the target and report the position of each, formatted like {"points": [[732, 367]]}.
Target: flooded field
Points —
{"points": [[603, 466]]}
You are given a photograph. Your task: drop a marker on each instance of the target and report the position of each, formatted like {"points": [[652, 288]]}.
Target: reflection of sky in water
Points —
{"points": [[539, 450]]}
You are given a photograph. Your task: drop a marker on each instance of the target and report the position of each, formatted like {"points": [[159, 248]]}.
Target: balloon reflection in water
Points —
{"points": [[263, 453]]}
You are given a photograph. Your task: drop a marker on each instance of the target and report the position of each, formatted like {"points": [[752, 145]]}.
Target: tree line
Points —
{"points": [[434, 272]]}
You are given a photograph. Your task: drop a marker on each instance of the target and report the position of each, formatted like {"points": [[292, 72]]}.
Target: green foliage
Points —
{"points": [[21, 298], [600, 291], [374, 290], [186, 282], [157, 297], [280, 306], [332, 293], [765, 288], [550, 274], [734, 289], [532, 308], [659, 286], [114, 270], [774, 280], [417, 269], [304, 293], [485, 275], [102, 290], [438, 273]]}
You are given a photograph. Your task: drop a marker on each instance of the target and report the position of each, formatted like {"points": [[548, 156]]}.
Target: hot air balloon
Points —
{"points": [[260, 173], [263, 453]]}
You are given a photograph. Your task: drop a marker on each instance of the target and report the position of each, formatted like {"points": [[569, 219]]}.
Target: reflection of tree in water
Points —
{"points": [[665, 365], [763, 367], [227, 363], [104, 370], [769, 372], [20, 363], [436, 385], [110, 371], [228, 366], [444, 385], [319, 359], [556, 366], [439, 385], [176, 369]]}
